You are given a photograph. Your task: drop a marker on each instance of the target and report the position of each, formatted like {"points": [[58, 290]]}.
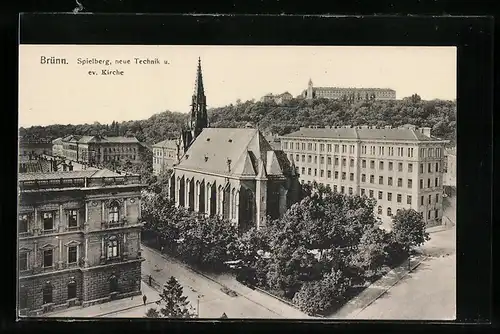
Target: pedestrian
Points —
{"points": [[144, 298], [150, 280], [162, 249]]}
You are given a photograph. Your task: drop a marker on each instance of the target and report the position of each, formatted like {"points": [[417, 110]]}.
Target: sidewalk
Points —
{"points": [[115, 306], [371, 293]]}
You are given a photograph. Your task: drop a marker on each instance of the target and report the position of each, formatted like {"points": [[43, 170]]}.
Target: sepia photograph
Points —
{"points": [[237, 182]]}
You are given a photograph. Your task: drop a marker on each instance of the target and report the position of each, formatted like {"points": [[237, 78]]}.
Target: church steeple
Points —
{"points": [[199, 118]]}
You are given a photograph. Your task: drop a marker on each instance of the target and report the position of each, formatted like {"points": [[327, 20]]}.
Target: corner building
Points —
{"points": [[79, 239], [401, 168]]}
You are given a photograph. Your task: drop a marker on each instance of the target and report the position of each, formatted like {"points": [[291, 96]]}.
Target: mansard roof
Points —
{"points": [[235, 152]]}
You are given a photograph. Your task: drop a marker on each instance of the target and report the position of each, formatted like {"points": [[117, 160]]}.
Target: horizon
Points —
{"points": [[230, 73]]}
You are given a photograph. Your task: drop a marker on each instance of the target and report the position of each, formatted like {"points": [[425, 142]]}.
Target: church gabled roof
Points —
{"points": [[235, 152]]}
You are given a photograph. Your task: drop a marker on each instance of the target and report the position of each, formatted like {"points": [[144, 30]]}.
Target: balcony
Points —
{"points": [[25, 234], [113, 224]]}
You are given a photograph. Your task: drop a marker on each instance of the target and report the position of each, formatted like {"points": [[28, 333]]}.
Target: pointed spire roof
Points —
{"points": [[198, 85]]}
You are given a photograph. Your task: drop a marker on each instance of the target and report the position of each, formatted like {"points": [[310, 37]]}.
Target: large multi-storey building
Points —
{"points": [[79, 239], [98, 150], [165, 155], [34, 147], [278, 99], [450, 167], [400, 168], [350, 94]]}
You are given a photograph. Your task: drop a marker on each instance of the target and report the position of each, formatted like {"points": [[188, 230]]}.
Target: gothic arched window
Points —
{"points": [[112, 250]]}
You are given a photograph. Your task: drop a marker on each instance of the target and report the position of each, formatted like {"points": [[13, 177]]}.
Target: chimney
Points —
{"points": [[426, 131]]}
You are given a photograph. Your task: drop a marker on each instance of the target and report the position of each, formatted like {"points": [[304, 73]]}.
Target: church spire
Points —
{"points": [[198, 86]]}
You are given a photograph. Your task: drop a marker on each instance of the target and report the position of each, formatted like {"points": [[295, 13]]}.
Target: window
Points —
{"points": [[362, 192], [400, 182], [436, 182], [363, 177], [302, 145], [315, 159], [399, 198], [380, 194], [47, 293], [390, 165], [421, 168], [372, 164], [437, 166], [421, 183], [23, 297], [351, 149], [408, 199], [322, 173], [389, 181], [428, 183], [72, 290], [350, 191], [371, 193], [113, 215], [112, 248], [303, 158], [23, 261], [429, 214], [48, 221], [72, 254], [410, 183], [400, 167], [410, 168], [389, 212], [363, 163], [309, 171], [329, 174], [351, 162], [335, 188], [309, 146], [336, 161], [380, 180], [322, 159], [430, 199], [113, 283], [429, 168], [48, 258], [379, 210], [309, 158], [24, 223], [322, 147], [297, 157], [381, 165], [315, 172], [336, 148], [329, 160], [344, 148], [303, 171], [437, 198], [422, 200], [329, 147], [436, 213], [372, 179], [389, 196], [344, 162], [351, 176], [72, 218], [336, 175], [343, 175], [342, 189]]}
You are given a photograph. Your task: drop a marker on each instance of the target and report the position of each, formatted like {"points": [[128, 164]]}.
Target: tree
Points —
{"points": [[408, 230], [318, 296], [372, 252], [173, 303]]}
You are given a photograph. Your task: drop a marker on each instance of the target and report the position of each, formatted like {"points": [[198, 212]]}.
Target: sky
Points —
{"points": [[67, 94]]}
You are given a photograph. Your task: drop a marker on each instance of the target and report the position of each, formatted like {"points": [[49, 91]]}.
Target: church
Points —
{"points": [[233, 173]]}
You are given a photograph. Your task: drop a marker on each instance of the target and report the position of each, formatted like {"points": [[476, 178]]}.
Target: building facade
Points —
{"points": [[34, 147], [78, 239], [450, 168], [165, 155], [401, 168], [348, 94], [57, 147], [278, 99], [235, 174], [97, 150]]}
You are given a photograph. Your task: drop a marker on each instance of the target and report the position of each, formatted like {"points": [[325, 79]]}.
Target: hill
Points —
{"points": [[440, 115]]}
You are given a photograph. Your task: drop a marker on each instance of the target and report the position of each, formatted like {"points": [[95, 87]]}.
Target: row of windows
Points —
{"points": [[168, 153], [48, 219], [435, 152], [381, 164], [112, 251], [389, 212]]}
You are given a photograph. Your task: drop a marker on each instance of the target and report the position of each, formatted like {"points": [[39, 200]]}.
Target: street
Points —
{"points": [[428, 292], [212, 301]]}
